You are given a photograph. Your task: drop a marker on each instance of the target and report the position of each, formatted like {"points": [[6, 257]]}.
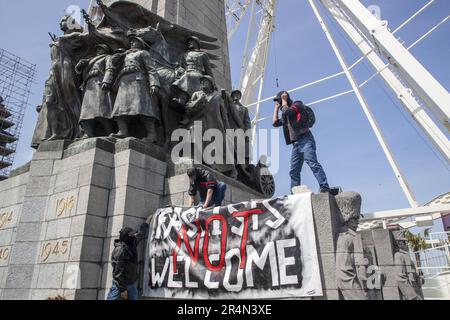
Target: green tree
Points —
{"points": [[417, 243]]}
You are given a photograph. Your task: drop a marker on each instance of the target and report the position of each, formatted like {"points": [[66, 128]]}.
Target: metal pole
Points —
{"points": [[258, 107], [429, 32], [431, 240], [247, 44], [412, 17], [268, 18], [409, 212], [403, 183], [404, 94], [244, 9], [447, 254], [430, 91]]}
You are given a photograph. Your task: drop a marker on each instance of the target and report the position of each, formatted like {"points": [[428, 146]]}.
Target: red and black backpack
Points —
{"points": [[305, 115]]}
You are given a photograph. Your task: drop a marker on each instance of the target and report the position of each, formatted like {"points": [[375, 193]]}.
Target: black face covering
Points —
{"points": [[126, 235]]}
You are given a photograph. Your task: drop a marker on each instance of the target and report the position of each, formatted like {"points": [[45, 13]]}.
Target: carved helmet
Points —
{"points": [[210, 79], [236, 92], [71, 24], [132, 35], [197, 40], [104, 47], [349, 204]]}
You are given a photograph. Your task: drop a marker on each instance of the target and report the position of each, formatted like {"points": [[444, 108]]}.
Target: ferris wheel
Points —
{"points": [[420, 94]]}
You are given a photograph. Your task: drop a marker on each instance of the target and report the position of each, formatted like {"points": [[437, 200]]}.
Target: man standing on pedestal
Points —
{"points": [[297, 133]]}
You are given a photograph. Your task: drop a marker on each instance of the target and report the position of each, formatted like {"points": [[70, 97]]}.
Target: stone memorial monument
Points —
{"points": [[115, 93]]}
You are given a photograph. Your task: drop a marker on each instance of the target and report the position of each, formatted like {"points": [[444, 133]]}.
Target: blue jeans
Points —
{"points": [[305, 151], [218, 196], [114, 293]]}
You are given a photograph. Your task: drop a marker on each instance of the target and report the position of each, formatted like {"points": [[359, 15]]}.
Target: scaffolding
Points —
{"points": [[16, 78]]}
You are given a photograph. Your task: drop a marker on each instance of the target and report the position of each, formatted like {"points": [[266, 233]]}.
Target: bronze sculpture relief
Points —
{"points": [[98, 75], [137, 91], [137, 75]]}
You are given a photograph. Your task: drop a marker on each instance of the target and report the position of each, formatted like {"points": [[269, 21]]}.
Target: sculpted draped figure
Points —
{"points": [[61, 105], [135, 74], [97, 74], [207, 107], [237, 113], [194, 65], [103, 81], [239, 119], [137, 91]]}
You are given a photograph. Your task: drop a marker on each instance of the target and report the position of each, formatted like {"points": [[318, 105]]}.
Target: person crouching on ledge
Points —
{"points": [[212, 192]]}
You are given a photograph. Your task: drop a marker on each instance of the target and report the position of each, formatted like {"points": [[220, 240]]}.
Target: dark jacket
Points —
{"points": [[202, 182], [125, 264], [293, 128]]}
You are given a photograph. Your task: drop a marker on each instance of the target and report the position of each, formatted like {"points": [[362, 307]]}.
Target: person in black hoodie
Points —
{"points": [[298, 134], [124, 260]]}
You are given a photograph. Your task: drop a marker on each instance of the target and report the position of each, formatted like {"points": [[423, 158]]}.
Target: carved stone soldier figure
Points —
{"points": [[138, 88], [350, 262], [239, 119], [42, 131], [60, 113], [97, 100], [238, 114], [195, 64], [69, 25], [407, 277], [207, 107]]}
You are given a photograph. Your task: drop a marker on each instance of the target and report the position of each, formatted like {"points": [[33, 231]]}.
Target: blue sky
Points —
{"points": [[347, 147]]}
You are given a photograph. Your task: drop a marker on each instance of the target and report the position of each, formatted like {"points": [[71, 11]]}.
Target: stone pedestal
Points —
{"points": [[67, 207], [64, 210], [327, 223], [61, 213], [383, 243], [377, 246]]}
